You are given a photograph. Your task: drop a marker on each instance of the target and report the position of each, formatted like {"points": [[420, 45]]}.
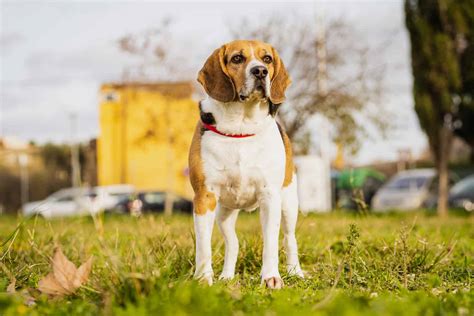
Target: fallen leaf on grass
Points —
{"points": [[65, 278], [24, 294], [11, 286]]}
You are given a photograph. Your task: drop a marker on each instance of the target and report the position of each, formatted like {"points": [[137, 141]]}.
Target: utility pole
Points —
{"points": [[75, 164], [169, 201], [321, 81], [24, 178]]}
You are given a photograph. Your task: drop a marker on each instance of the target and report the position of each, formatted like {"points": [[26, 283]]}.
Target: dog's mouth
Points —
{"points": [[258, 92], [260, 87]]}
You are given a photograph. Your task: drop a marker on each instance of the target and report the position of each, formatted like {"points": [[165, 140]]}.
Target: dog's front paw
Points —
{"points": [[205, 278], [226, 276], [273, 283]]}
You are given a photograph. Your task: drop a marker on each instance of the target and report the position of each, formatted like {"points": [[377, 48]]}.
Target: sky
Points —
{"points": [[56, 54]]}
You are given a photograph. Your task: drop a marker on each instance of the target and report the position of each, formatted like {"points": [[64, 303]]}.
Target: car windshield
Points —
{"points": [[407, 182], [66, 194], [463, 186], [120, 196], [154, 198]]}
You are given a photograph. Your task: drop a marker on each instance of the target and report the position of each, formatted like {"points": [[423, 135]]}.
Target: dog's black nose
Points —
{"points": [[259, 72]]}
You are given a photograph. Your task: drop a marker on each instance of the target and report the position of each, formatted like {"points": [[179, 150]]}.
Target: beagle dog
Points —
{"points": [[241, 159]]}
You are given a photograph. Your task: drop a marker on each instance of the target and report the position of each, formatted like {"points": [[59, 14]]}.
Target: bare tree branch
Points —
{"points": [[151, 47], [354, 78]]}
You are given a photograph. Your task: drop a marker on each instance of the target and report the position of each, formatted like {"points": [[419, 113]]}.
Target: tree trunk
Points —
{"points": [[471, 157], [445, 137]]}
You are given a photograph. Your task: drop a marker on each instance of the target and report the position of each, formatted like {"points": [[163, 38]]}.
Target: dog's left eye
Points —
{"points": [[267, 59]]}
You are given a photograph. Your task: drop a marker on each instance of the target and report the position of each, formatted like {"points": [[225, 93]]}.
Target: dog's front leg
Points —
{"points": [[270, 216], [203, 226]]}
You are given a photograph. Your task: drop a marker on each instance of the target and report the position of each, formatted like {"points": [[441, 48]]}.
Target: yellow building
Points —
{"points": [[145, 134]]}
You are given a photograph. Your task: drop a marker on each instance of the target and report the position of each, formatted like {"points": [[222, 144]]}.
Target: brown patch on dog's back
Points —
{"points": [[203, 199], [289, 167]]}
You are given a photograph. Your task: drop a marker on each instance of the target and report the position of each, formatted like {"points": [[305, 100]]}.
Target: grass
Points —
{"points": [[412, 264]]}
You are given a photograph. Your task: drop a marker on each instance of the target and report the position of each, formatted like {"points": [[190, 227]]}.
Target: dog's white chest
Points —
{"points": [[239, 169]]}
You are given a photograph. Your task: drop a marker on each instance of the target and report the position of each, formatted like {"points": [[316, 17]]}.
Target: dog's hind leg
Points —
{"points": [[270, 218], [226, 219], [289, 218]]}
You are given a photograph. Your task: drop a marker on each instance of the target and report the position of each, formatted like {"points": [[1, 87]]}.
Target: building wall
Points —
{"points": [[145, 134]]}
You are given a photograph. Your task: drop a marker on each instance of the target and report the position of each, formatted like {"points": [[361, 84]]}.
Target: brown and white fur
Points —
{"points": [[232, 174]]}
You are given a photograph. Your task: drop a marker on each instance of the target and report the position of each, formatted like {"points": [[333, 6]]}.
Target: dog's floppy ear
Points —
{"points": [[214, 77], [280, 81]]}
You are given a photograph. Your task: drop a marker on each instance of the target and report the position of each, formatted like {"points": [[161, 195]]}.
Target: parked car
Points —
{"points": [[461, 196], [65, 202], [109, 195], [407, 190], [78, 201], [357, 186], [151, 201]]}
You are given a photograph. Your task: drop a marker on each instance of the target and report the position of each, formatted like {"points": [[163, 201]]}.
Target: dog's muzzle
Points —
{"points": [[259, 74]]}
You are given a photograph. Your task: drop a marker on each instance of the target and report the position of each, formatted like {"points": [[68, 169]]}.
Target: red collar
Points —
{"points": [[212, 128]]}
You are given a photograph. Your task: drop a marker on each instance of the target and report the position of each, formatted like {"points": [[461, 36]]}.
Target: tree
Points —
{"points": [[50, 173], [466, 129], [465, 40], [334, 73], [440, 33], [57, 157], [152, 49]]}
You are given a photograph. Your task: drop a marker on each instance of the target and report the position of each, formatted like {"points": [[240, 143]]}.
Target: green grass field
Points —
{"points": [[412, 264]]}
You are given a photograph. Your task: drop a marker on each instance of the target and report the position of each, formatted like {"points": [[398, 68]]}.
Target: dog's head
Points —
{"points": [[245, 69]]}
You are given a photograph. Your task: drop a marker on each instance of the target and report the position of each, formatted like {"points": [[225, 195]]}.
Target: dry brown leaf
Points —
{"points": [[64, 271], [11, 286], [24, 294], [49, 285], [65, 278], [83, 272]]}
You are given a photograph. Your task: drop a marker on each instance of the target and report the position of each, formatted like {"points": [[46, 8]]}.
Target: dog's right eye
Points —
{"points": [[237, 59]]}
